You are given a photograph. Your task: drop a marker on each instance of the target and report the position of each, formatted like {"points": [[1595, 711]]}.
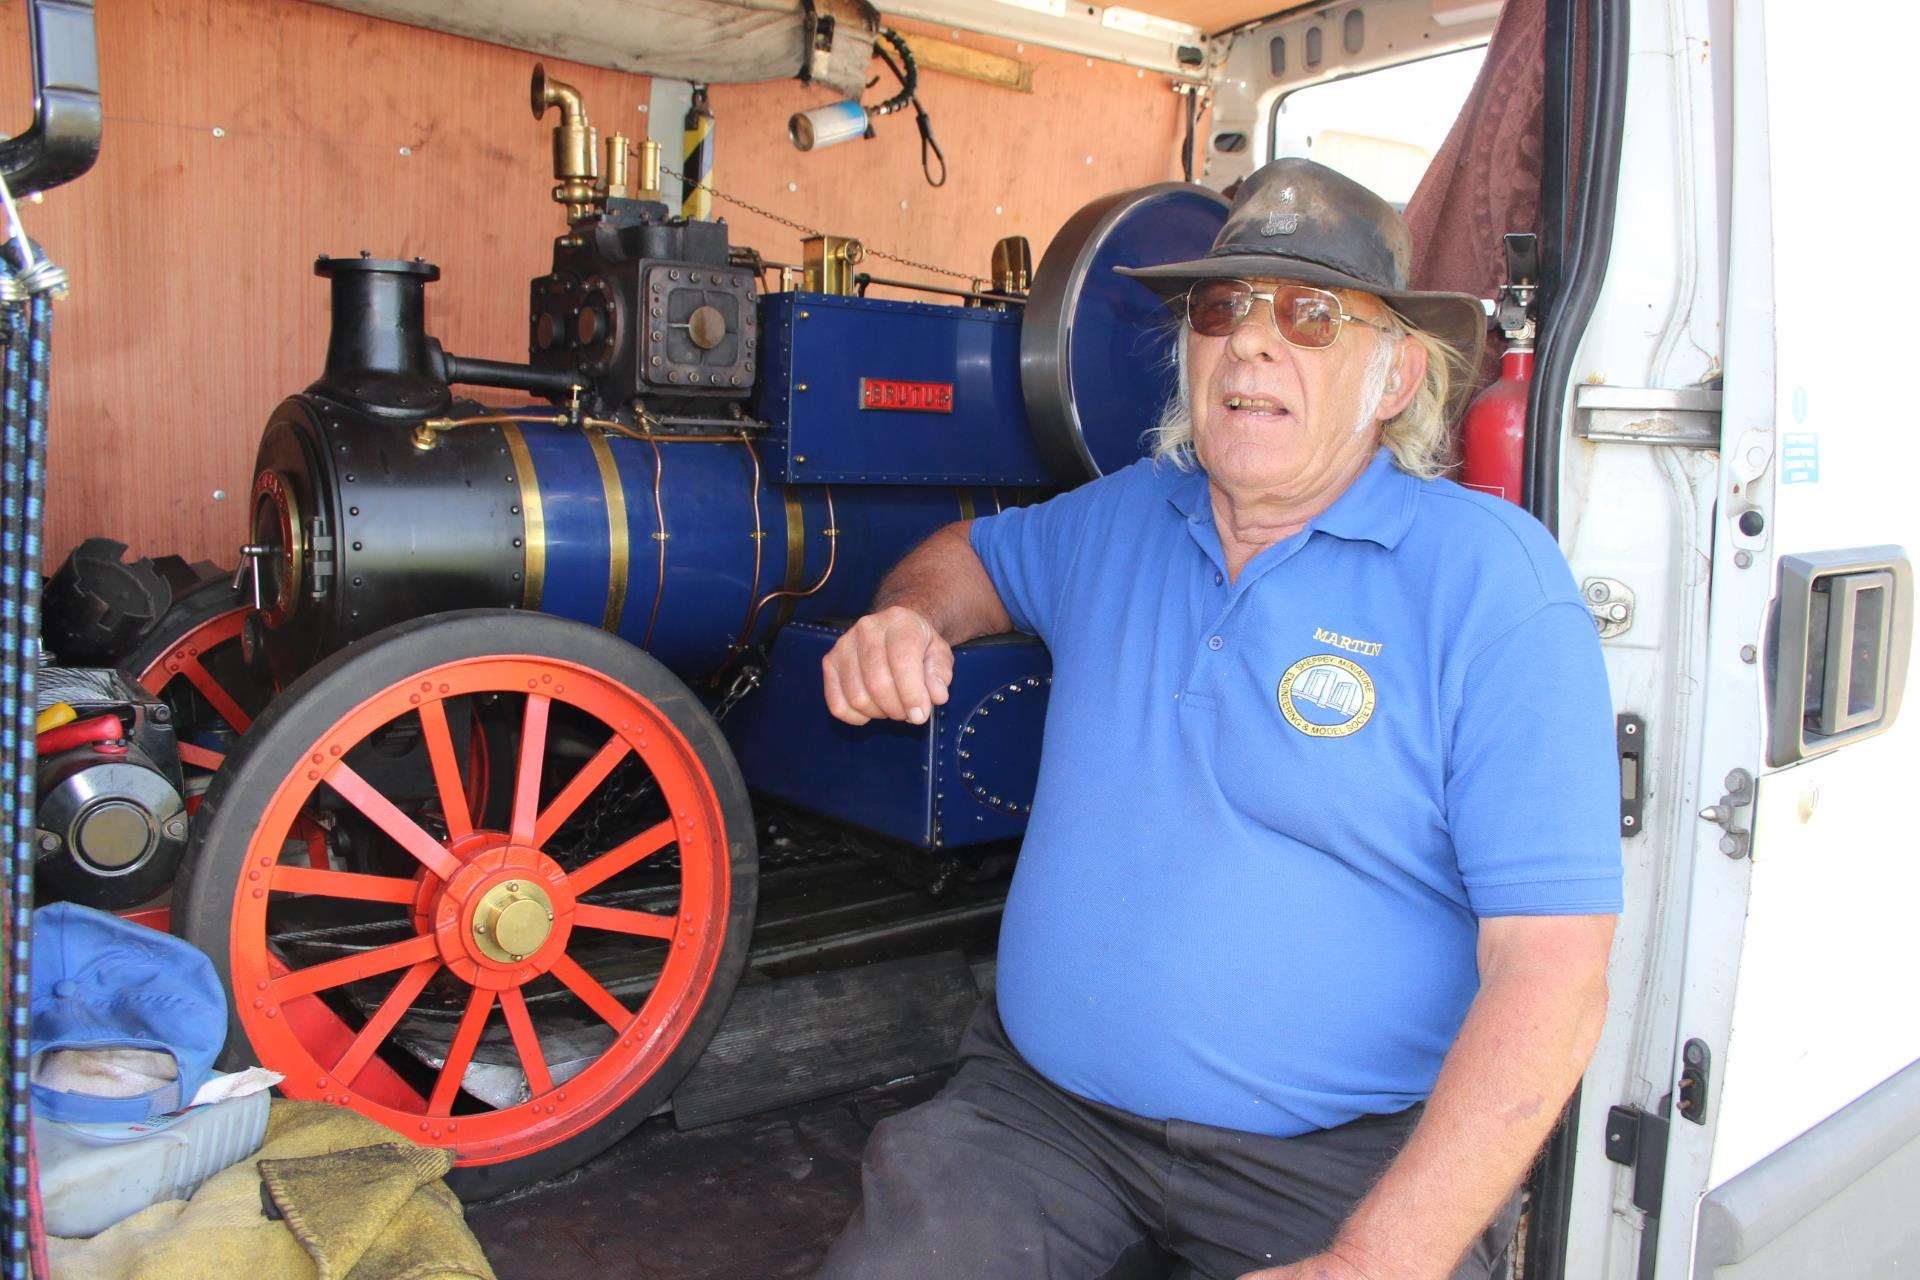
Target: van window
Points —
{"points": [[1380, 128]]}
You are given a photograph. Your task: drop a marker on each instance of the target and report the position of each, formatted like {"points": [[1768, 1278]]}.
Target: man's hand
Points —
{"points": [[890, 665]]}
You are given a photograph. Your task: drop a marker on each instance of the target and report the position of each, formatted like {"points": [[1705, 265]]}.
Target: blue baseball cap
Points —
{"points": [[100, 982]]}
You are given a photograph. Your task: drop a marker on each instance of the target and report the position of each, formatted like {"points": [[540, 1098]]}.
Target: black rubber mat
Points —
{"points": [[754, 1199], [795, 1039]]}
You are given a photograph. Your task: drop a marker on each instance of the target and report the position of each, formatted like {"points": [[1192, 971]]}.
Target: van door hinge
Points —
{"points": [[1638, 1139], [1685, 416]]}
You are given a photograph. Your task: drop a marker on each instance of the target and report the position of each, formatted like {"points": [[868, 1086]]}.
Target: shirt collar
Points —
{"points": [[1376, 507]]}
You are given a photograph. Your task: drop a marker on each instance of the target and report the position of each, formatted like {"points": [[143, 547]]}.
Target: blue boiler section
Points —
{"points": [[687, 547]]}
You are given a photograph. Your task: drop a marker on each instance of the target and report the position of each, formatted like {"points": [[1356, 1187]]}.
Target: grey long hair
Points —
{"points": [[1417, 436]]}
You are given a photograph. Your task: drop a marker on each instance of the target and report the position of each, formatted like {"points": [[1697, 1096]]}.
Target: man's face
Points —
{"points": [[1272, 418]]}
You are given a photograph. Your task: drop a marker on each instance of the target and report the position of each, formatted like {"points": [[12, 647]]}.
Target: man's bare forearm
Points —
{"points": [[944, 582], [1526, 1040]]}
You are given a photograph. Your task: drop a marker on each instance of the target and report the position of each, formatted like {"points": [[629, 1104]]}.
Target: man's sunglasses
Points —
{"points": [[1306, 317]]}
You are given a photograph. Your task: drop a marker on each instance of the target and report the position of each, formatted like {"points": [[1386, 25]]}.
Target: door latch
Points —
{"points": [[1629, 733], [1638, 1139], [1696, 1072], [249, 569]]}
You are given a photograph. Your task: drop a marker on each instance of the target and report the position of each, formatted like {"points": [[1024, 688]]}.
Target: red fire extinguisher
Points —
{"points": [[1493, 436]]}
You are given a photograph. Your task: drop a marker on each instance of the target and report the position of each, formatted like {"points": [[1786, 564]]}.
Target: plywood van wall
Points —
{"points": [[244, 137]]}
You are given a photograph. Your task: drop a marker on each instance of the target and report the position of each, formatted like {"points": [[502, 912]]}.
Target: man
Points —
{"points": [[1307, 944]]}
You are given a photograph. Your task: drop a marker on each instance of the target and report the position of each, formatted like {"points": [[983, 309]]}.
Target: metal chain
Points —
{"points": [[813, 231], [743, 684]]}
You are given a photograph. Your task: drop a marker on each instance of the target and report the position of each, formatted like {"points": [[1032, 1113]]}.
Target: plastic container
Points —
{"points": [[93, 1175]]}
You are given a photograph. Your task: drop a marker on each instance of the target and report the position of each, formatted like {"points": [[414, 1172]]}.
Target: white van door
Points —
{"points": [[1793, 1125]]}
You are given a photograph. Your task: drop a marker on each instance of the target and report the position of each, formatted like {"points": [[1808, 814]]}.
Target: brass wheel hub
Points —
{"points": [[512, 920]]}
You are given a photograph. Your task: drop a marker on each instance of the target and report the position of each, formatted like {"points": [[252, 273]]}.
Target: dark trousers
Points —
{"points": [[1003, 1176]]}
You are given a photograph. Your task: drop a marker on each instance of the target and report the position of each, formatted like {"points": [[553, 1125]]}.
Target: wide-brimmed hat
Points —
{"points": [[1297, 220]]}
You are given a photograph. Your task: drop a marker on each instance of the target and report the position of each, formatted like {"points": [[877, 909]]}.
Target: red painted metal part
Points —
{"points": [[1493, 437], [317, 1025], [104, 728], [182, 662], [323, 1058], [157, 918]]}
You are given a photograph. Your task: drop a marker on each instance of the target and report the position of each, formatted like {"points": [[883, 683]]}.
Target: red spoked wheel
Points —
{"points": [[518, 971], [192, 659]]}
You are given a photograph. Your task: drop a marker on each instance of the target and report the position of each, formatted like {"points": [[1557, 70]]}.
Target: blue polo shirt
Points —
{"points": [[1271, 811]]}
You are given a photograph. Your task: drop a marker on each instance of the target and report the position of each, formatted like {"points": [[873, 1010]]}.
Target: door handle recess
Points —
{"points": [[1844, 633]]}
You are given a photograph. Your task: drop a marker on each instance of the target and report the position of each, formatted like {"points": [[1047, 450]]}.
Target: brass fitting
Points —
{"points": [[649, 170], [613, 179], [426, 435], [829, 263], [576, 153], [1012, 265]]}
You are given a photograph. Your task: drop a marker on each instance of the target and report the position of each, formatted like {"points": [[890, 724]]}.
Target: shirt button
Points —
{"points": [[1215, 642], [1218, 578]]}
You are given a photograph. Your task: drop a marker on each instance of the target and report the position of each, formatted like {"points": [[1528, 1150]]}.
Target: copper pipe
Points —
{"points": [[660, 534], [759, 545], [833, 554]]}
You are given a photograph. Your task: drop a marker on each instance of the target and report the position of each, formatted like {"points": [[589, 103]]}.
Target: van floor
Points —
{"points": [[762, 1197]]}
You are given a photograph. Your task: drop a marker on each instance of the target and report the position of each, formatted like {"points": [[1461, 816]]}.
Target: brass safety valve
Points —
{"points": [[576, 150]]}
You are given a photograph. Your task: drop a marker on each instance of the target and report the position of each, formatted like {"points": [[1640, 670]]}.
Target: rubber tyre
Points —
{"points": [[196, 608], [278, 744]]}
